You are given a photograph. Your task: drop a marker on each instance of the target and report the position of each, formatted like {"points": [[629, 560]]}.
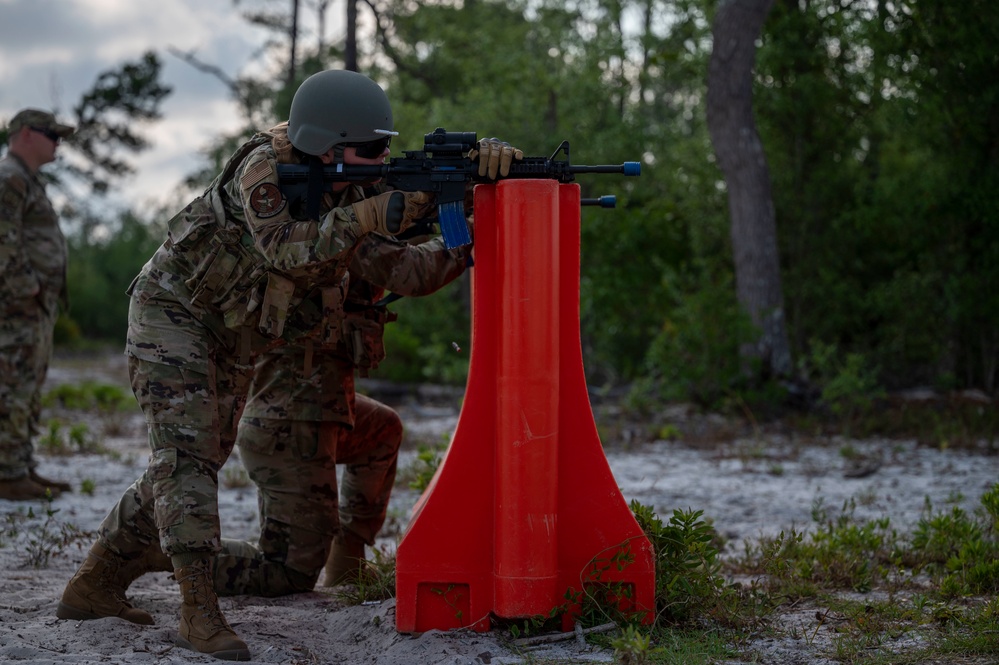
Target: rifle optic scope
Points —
{"points": [[441, 141]]}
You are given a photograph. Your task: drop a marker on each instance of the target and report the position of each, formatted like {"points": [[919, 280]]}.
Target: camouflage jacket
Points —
{"points": [[379, 264], [385, 264], [239, 259], [33, 251]]}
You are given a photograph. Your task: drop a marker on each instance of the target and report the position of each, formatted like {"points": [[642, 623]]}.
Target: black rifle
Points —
{"points": [[444, 168]]}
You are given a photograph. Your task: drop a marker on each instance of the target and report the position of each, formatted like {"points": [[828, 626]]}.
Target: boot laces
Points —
{"points": [[203, 593], [106, 578]]}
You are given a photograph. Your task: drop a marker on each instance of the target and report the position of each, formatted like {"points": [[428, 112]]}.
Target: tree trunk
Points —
{"points": [[292, 56], [737, 145], [350, 48]]}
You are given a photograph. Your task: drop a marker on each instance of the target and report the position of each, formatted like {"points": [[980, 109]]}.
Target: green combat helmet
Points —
{"points": [[337, 107]]}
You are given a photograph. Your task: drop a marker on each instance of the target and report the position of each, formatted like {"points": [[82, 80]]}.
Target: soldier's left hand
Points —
{"points": [[495, 157]]}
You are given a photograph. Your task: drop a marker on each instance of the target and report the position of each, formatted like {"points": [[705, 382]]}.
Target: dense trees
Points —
{"points": [[877, 125]]}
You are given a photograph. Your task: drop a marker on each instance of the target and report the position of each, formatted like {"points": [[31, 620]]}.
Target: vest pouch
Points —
{"points": [[365, 338], [216, 275], [188, 226], [275, 304]]}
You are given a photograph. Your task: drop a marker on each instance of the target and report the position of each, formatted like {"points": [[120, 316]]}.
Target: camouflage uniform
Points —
{"points": [[32, 288], [237, 261], [303, 418]]}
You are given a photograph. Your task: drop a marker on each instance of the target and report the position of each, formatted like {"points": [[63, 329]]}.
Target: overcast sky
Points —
{"points": [[51, 51]]}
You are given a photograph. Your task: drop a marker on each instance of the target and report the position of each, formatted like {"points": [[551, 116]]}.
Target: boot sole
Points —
{"points": [[70, 613], [225, 654]]}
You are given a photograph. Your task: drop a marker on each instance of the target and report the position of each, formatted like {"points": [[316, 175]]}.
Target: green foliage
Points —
{"points": [[420, 346], [688, 570], [418, 475], [632, 646], [109, 113], [88, 395], [376, 581], [963, 550], [877, 126], [58, 440], [104, 258], [843, 552], [107, 401], [696, 352], [848, 386], [884, 166]]}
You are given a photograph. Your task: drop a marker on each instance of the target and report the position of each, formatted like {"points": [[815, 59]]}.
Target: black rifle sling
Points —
{"points": [[314, 197]]}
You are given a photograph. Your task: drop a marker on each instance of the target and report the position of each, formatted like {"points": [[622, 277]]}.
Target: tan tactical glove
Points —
{"points": [[392, 213], [494, 157]]}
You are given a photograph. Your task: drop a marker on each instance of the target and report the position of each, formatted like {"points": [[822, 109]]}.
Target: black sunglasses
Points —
{"points": [[371, 149], [47, 133]]}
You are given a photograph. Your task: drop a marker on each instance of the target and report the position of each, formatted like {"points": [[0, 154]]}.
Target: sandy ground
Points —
{"points": [[748, 486]]}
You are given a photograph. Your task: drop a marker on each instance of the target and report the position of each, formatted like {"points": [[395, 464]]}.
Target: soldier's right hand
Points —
{"points": [[391, 213]]}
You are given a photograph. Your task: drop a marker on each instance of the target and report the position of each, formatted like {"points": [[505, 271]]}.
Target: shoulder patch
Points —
{"points": [[255, 173], [12, 197], [267, 200]]}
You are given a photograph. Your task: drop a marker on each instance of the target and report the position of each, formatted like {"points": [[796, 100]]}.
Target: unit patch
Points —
{"points": [[267, 200]]}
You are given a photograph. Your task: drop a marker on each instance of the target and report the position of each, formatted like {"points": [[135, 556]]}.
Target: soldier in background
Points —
{"points": [[33, 260]]}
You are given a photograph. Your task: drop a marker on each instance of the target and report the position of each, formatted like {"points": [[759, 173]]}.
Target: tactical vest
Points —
{"points": [[226, 283]]}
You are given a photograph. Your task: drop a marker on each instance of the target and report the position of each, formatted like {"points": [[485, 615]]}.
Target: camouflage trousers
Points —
{"points": [[25, 350], [192, 393], [293, 464]]}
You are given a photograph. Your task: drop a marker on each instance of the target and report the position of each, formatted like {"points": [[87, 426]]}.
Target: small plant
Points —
{"points": [[43, 542], [632, 647], [87, 486], [688, 571], [59, 441], [963, 550], [376, 581], [86, 396], [428, 457], [538, 624], [52, 442]]}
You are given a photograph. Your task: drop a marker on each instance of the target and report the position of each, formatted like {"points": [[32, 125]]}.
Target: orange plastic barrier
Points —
{"points": [[523, 507]]}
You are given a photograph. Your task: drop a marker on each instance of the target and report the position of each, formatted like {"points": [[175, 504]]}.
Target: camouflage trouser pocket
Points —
{"points": [[279, 438], [260, 435], [169, 511], [299, 514]]}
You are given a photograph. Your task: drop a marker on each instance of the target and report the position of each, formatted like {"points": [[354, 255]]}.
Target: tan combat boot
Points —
{"points": [[151, 561], [346, 561], [25, 489], [202, 626], [92, 593]]}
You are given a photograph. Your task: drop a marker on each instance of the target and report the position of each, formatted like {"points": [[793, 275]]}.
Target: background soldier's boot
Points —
{"points": [[346, 561], [56, 485], [25, 489], [92, 594], [202, 626], [151, 561]]}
